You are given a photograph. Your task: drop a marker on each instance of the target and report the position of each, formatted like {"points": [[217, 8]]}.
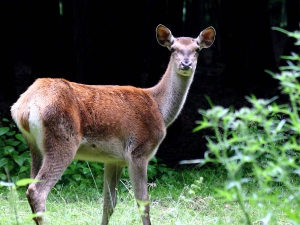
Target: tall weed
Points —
{"points": [[259, 146]]}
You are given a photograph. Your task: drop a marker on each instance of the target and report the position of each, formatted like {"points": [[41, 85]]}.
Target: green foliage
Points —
{"points": [[13, 199], [260, 146], [82, 175], [156, 170], [14, 154]]}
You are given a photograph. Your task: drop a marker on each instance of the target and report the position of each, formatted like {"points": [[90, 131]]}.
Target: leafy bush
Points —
{"points": [[14, 154], [260, 146], [82, 175]]}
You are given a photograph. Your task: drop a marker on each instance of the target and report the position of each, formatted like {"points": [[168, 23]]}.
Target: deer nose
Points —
{"points": [[185, 65]]}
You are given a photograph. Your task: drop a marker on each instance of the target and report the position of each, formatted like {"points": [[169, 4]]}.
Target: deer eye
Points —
{"points": [[198, 50], [172, 50]]}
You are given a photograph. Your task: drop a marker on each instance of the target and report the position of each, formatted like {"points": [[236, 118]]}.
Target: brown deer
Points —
{"points": [[116, 125]]}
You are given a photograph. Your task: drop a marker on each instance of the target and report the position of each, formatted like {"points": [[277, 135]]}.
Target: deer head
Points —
{"points": [[185, 50]]}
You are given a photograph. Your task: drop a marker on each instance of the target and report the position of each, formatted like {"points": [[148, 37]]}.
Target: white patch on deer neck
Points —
{"points": [[170, 93]]}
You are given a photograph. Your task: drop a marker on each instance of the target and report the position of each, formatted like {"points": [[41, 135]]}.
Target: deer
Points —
{"points": [[119, 126]]}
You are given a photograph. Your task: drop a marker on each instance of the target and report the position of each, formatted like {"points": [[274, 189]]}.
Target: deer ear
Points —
{"points": [[164, 36], [206, 38]]}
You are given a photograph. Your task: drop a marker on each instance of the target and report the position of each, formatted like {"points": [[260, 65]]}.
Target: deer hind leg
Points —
{"points": [[36, 163], [36, 160], [112, 173], [55, 161]]}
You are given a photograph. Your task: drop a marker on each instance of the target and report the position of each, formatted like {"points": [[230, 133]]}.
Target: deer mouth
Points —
{"points": [[185, 72]]}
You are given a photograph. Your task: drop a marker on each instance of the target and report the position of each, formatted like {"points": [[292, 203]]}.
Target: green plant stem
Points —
{"points": [[232, 176], [242, 205], [13, 202]]}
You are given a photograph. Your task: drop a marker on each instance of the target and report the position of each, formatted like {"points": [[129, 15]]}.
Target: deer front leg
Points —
{"points": [[112, 173], [138, 176]]}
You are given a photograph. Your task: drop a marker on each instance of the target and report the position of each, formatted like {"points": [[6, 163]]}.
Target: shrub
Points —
{"points": [[14, 154], [260, 146]]}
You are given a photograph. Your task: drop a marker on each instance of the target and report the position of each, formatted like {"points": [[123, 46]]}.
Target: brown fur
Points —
{"points": [[117, 125]]}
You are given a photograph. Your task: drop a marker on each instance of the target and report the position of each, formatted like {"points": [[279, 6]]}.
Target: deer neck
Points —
{"points": [[170, 93]]}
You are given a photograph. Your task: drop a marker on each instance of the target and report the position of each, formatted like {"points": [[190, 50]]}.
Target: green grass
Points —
{"points": [[175, 200]]}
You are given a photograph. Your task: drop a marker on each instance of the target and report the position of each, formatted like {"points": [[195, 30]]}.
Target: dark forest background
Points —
{"points": [[113, 42]]}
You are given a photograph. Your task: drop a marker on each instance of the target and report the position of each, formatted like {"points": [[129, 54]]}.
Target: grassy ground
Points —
{"points": [[176, 199]]}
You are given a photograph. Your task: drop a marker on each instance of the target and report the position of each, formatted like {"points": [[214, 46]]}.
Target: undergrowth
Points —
{"points": [[260, 146]]}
